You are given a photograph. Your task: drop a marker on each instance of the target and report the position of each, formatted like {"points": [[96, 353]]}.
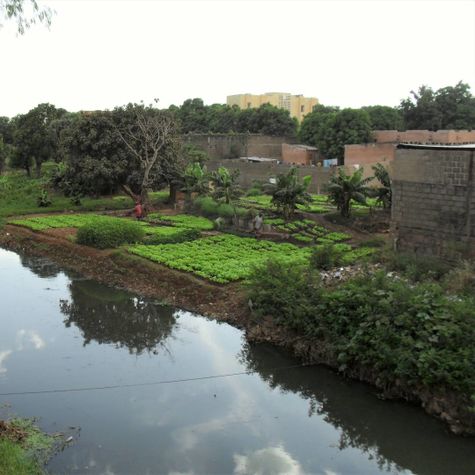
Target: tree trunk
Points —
{"points": [[126, 189], [38, 169], [28, 171], [172, 194]]}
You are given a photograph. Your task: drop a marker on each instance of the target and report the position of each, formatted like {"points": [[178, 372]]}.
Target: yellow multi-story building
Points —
{"points": [[298, 105]]}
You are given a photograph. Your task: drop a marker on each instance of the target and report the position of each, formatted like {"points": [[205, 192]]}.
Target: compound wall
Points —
{"points": [[224, 146], [433, 211], [248, 172]]}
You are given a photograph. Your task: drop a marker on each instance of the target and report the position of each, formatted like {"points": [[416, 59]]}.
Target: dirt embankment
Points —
{"points": [[223, 302]]}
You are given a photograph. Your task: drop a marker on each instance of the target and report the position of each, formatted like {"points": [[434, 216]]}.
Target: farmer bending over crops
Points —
{"points": [[138, 210]]}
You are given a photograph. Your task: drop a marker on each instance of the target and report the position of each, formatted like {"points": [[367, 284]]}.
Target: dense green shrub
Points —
{"points": [[285, 291], [213, 209], [415, 334], [110, 234], [326, 257]]}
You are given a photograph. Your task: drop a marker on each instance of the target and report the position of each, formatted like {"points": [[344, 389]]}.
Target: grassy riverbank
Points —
{"points": [[24, 448], [19, 195]]}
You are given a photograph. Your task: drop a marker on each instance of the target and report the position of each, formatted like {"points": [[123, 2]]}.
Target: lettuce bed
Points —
{"points": [[223, 258], [182, 221], [65, 221]]}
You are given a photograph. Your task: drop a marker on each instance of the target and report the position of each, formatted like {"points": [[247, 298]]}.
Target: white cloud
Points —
{"points": [[26, 338], [3, 356], [268, 461]]}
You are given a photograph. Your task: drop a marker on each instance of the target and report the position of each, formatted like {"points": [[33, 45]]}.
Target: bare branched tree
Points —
{"points": [[148, 133]]}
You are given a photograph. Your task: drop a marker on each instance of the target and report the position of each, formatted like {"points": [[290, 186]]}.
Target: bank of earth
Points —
{"points": [[227, 303]]}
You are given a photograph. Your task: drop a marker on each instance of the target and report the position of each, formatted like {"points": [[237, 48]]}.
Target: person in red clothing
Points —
{"points": [[138, 210]]}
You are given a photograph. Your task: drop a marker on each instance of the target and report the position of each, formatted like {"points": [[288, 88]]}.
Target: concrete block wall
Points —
{"points": [[433, 211], [225, 146], [248, 172]]}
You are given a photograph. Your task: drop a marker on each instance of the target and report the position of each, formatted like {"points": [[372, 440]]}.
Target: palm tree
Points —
{"points": [[382, 194], [225, 185], [195, 180], [343, 188], [289, 191]]}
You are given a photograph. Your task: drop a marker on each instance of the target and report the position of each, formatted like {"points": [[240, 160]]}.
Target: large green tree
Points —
{"points": [[33, 137], [314, 125], [451, 107], [384, 117], [268, 120], [330, 129]]}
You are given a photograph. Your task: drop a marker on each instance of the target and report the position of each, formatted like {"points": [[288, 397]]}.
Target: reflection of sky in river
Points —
{"points": [[236, 424]]}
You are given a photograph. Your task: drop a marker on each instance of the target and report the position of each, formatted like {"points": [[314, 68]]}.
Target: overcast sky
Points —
{"points": [[100, 54]]}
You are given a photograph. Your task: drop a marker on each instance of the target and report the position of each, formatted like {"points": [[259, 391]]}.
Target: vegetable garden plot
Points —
{"points": [[182, 220], [223, 258], [63, 221]]}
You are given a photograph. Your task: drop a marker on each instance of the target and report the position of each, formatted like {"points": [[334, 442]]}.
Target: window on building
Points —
{"points": [[302, 108], [248, 105]]}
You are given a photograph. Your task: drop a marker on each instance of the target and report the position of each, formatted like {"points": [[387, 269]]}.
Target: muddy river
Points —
{"points": [[144, 388]]}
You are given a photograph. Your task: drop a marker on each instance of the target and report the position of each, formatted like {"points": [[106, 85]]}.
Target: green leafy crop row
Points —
{"points": [[64, 221], [222, 258], [182, 220]]}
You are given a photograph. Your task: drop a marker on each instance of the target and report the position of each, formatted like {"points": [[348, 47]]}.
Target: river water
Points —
{"points": [[154, 396]]}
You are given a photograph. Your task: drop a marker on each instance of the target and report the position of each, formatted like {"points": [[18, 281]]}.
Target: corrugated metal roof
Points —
{"points": [[469, 146]]}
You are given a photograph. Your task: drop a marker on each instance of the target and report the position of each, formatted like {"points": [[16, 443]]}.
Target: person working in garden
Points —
{"points": [[258, 222], [138, 210]]}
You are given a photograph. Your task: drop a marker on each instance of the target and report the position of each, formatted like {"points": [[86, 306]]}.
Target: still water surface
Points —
{"points": [[59, 331]]}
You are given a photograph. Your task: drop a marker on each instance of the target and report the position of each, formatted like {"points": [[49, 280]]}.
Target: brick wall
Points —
{"points": [[297, 155], [433, 209], [248, 172], [365, 154], [223, 146], [425, 136]]}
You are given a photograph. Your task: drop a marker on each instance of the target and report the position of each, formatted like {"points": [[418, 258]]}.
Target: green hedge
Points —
{"points": [[416, 333], [110, 234]]}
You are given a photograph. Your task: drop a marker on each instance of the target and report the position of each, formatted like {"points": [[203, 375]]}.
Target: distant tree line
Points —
{"points": [[137, 148], [195, 117]]}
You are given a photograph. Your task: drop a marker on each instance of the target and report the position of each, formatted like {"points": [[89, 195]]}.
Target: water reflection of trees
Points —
{"points": [[395, 435], [40, 266], [113, 316]]}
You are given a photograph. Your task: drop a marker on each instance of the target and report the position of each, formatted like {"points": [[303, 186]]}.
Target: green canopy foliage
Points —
{"points": [[451, 107], [33, 136], [195, 117], [330, 129], [384, 117]]}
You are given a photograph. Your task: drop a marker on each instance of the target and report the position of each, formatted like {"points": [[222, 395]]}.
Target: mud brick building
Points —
{"points": [[433, 211]]}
